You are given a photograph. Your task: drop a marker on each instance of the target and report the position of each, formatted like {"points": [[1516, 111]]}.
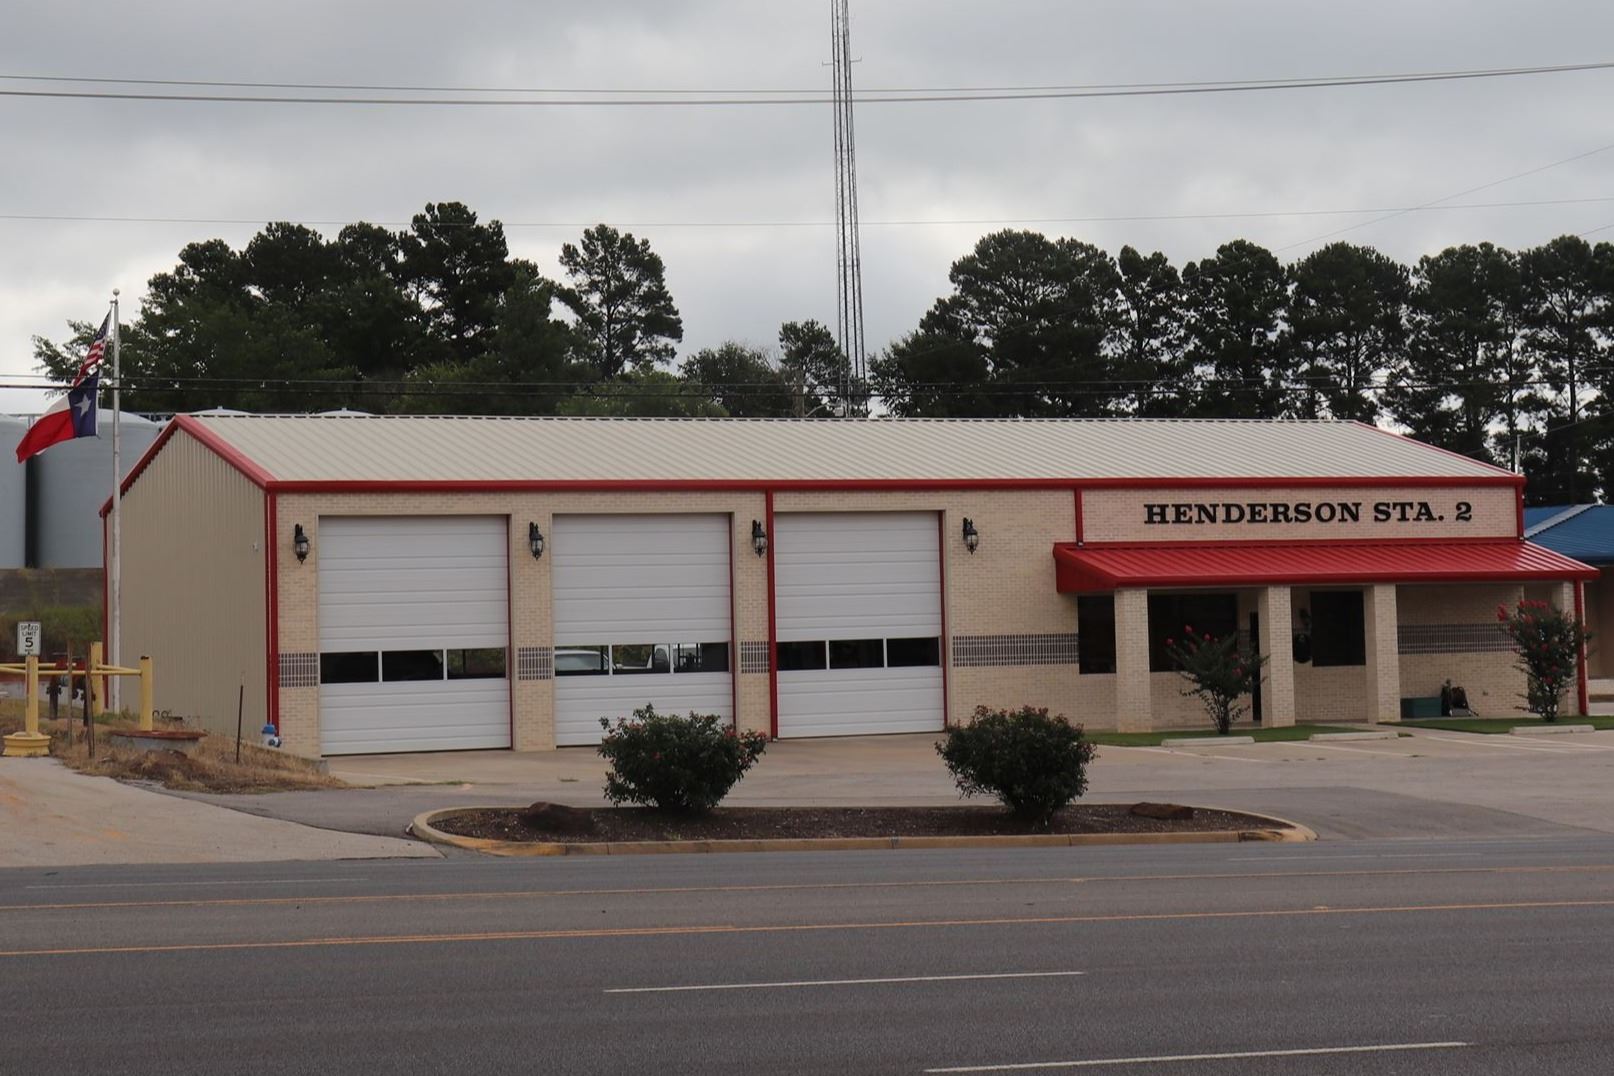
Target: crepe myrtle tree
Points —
{"points": [[1548, 643], [1218, 671]]}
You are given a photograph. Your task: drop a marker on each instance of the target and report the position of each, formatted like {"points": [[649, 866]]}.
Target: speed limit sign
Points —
{"points": [[28, 638]]}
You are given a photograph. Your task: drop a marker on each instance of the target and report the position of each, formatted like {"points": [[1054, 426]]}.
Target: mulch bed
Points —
{"points": [[600, 824]]}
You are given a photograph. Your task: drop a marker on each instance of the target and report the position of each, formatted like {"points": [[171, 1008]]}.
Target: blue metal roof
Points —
{"points": [[1586, 535]]}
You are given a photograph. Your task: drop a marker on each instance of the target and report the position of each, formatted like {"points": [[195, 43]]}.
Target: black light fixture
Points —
{"points": [[535, 540], [759, 538], [299, 542], [972, 537]]}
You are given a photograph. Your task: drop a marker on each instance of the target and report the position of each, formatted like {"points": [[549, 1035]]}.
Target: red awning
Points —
{"points": [[1101, 568]]}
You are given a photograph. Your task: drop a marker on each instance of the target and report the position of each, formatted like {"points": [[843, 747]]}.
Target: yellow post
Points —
{"points": [[94, 692], [29, 742], [147, 696]]}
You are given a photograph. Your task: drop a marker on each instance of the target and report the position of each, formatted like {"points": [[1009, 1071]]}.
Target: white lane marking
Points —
{"points": [[1170, 1058], [1551, 749], [1356, 750], [1354, 855], [187, 885], [842, 982], [1202, 754]]}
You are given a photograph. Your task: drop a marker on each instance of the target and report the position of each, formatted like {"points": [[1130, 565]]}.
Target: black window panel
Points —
{"points": [[477, 664], [411, 665], [1170, 615], [701, 657], [912, 653], [795, 657], [349, 667], [857, 653], [582, 660], [632, 659], [1338, 635], [1095, 634]]}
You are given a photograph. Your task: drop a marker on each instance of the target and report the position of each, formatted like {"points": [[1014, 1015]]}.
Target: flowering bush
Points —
{"points": [[1219, 672], [682, 764], [1034, 764], [1548, 643]]}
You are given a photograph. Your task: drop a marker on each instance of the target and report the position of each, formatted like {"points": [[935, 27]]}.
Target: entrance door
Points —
{"points": [[859, 613]]}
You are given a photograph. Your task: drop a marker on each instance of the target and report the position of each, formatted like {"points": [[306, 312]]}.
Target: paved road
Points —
{"points": [[1413, 957]]}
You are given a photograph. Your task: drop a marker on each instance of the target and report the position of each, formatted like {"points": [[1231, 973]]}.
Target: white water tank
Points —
{"points": [[72, 481], [13, 496]]}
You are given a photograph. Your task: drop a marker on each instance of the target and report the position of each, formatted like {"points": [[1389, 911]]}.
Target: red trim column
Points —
{"points": [[1582, 692], [944, 646], [271, 588], [773, 624]]}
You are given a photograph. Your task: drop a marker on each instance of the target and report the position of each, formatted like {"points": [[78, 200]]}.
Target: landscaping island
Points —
{"points": [[552, 824]]}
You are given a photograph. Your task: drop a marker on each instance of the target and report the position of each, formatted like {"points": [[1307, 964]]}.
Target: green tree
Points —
{"points": [[933, 375], [626, 319], [1151, 356], [1345, 324], [817, 370], [1234, 304], [642, 394], [1460, 377], [739, 379], [457, 271]]}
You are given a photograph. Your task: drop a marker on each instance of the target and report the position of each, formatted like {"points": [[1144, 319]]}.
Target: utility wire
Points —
{"points": [[815, 98], [1494, 72], [893, 223]]}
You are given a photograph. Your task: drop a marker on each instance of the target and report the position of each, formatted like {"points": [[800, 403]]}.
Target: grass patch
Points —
{"points": [[210, 768], [1264, 734], [1491, 726]]}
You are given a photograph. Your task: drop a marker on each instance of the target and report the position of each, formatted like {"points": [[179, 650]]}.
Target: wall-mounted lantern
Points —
{"points": [[535, 540], [299, 543], [972, 537], [759, 538]]}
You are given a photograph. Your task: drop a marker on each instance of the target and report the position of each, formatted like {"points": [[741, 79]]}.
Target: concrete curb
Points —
{"points": [[1205, 741], [1385, 735], [422, 829], [1549, 730]]}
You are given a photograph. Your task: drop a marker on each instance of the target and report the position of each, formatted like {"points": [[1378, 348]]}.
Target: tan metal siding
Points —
{"points": [[193, 585], [439, 448]]}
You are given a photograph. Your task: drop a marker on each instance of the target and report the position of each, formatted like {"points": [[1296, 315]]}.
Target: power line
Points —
{"points": [[887, 223], [1494, 72], [815, 98]]}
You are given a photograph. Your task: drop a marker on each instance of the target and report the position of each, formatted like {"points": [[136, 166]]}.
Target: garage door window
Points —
{"points": [[797, 657], [360, 667], [857, 654], [908, 653], [639, 659], [482, 663], [912, 653]]}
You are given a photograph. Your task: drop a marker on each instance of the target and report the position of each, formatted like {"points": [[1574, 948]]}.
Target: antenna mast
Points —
{"points": [[849, 258]]}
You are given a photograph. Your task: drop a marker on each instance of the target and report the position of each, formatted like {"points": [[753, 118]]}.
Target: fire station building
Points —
{"points": [[386, 584]]}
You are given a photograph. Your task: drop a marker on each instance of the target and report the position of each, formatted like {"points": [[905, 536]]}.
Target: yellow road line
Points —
{"points": [[518, 894], [796, 928]]}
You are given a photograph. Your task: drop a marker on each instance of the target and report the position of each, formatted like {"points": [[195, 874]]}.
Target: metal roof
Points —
{"points": [[1193, 565], [384, 449], [1582, 531]]}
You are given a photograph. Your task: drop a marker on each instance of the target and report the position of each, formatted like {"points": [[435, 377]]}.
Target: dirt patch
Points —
{"points": [[211, 767], [754, 823]]}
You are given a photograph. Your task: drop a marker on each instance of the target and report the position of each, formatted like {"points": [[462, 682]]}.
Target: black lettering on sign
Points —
{"points": [[1181, 513], [1232, 513], [1425, 513], [1302, 511], [1326, 512], [1154, 513], [1465, 512], [1258, 512], [1381, 512], [1350, 512], [1280, 512], [1205, 513]]}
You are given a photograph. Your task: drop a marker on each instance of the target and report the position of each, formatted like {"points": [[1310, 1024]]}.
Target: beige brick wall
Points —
{"points": [[1119, 515], [1489, 678]]}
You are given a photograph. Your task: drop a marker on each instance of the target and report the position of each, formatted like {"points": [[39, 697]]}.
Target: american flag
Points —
{"points": [[92, 358]]}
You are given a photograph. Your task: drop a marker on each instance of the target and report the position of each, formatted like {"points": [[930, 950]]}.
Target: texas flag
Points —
{"points": [[71, 416]]}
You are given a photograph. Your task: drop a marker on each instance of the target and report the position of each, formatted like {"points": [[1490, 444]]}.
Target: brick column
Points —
{"points": [[1277, 646], [1133, 709], [1383, 653]]}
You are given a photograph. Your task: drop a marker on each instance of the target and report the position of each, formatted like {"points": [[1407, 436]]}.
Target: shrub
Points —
{"points": [[1219, 672], [1548, 644], [1034, 764], [682, 764]]}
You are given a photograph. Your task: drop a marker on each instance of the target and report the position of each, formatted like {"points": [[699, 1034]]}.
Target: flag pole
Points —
{"points": [[115, 582]]}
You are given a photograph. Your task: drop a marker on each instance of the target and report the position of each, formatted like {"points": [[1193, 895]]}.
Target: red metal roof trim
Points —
{"points": [[1081, 570]]}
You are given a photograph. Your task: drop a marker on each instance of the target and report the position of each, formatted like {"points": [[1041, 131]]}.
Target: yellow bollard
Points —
{"points": [[29, 742], [94, 692], [147, 696]]}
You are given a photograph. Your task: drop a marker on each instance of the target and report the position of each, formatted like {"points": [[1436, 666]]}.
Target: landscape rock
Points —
{"points": [[558, 818], [1169, 811]]}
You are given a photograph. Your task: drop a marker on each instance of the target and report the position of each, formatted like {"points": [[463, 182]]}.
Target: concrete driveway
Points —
{"points": [[52, 817], [1429, 784]]}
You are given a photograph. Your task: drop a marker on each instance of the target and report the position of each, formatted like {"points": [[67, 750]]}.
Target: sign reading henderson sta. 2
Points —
{"points": [[1217, 512]]}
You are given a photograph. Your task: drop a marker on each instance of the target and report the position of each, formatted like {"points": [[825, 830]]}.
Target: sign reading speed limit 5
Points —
{"points": [[28, 638]]}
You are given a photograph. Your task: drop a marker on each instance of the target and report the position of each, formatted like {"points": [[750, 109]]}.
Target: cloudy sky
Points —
{"points": [[712, 187]]}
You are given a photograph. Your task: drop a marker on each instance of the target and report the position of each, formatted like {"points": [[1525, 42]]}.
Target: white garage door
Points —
{"points": [[858, 607], [642, 616], [414, 633]]}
